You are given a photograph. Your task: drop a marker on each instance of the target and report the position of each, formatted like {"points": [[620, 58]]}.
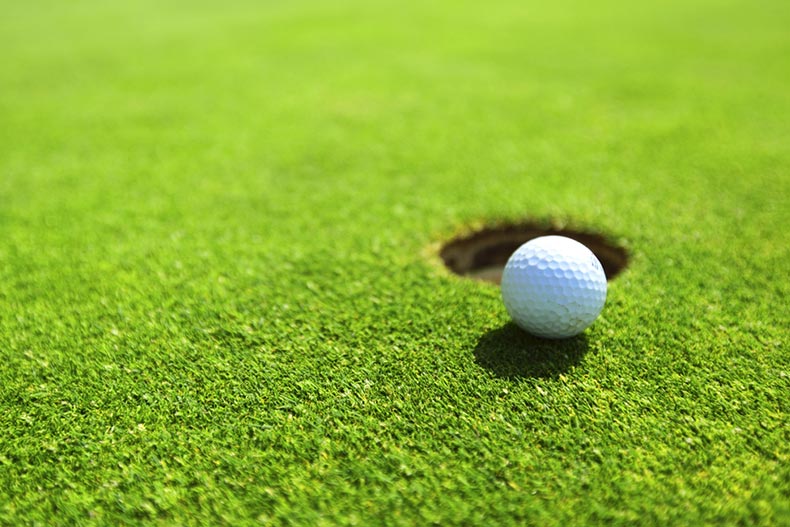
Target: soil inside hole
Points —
{"points": [[482, 255]]}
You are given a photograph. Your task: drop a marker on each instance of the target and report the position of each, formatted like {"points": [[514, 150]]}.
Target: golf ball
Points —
{"points": [[553, 287]]}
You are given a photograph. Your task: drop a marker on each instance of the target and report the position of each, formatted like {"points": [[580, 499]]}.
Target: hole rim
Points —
{"points": [[480, 253]]}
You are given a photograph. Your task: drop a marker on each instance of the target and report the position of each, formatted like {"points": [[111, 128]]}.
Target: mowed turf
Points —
{"points": [[220, 299]]}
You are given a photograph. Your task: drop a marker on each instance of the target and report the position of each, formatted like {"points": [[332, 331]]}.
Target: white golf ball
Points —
{"points": [[553, 287]]}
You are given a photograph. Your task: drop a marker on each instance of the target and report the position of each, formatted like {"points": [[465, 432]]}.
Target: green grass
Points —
{"points": [[219, 301]]}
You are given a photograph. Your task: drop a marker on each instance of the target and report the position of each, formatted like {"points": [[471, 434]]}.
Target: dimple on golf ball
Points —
{"points": [[553, 287]]}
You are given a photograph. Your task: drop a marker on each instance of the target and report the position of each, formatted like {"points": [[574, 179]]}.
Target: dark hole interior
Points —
{"points": [[483, 254]]}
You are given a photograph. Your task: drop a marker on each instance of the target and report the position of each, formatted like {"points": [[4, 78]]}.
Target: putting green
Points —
{"points": [[220, 294]]}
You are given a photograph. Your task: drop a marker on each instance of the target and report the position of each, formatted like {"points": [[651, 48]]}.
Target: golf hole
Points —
{"points": [[482, 255]]}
